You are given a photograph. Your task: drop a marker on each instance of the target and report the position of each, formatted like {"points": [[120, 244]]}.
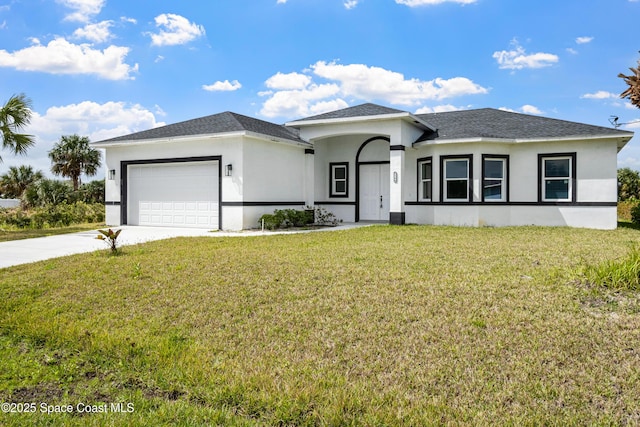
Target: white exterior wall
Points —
{"points": [[262, 171], [273, 172], [596, 180]]}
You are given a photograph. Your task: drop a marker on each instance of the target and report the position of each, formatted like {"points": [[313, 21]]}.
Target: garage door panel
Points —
{"points": [[175, 194]]}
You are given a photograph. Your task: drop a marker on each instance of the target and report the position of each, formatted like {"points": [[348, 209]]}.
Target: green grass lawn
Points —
{"points": [[29, 233], [382, 325]]}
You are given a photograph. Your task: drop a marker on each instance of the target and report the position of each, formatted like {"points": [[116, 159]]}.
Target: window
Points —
{"points": [[494, 178], [424, 179], [339, 180], [557, 176], [456, 181]]}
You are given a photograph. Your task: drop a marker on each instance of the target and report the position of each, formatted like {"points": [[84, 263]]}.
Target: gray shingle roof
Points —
{"points": [[357, 111], [492, 123], [210, 125]]}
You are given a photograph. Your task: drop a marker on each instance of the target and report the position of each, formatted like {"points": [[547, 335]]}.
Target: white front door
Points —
{"points": [[374, 192]]}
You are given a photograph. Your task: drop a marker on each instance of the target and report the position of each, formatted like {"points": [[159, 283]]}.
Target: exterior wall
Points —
{"points": [[342, 149], [596, 185], [274, 172]]}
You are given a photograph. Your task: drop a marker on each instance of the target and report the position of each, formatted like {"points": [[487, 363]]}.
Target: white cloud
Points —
{"points": [[295, 95], [225, 86], [97, 33], [572, 51], [526, 109], [88, 118], [300, 102], [288, 81], [584, 40], [530, 109], [62, 57], [517, 58], [414, 3], [350, 4], [84, 10], [601, 94], [439, 109], [281, 1], [376, 83], [175, 30]]}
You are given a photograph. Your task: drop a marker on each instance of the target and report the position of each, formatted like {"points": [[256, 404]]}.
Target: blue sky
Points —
{"points": [[105, 68]]}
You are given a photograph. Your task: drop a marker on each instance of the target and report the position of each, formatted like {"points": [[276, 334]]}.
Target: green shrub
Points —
{"points": [[635, 213], [621, 274], [50, 215], [285, 218], [624, 209]]}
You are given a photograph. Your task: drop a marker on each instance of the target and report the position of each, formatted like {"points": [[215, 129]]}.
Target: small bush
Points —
{"points": [[285, 218], [621, 274], [635, 213], [624, 209]]}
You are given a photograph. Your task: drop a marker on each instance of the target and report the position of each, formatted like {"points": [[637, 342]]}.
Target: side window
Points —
{"points": [[557, 177], [425, 178], [339, 180], [456, 178], [495, 178]]}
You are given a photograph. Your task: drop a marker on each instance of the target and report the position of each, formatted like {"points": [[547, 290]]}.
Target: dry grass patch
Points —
{"points": [[376, 326]]}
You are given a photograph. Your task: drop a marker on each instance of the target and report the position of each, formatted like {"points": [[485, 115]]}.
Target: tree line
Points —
{"points": [[71, 157]]}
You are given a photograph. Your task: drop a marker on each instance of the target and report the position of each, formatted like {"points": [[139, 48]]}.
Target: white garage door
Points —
{"points": [[174, 194]]}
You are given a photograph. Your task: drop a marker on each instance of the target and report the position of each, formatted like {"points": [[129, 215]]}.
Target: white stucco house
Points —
{"points": [[483, 167]]}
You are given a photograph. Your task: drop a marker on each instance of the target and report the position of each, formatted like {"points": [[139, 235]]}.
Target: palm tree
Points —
{"points": [[17, 179], [15, 115], [633, 81], [72, 156]]}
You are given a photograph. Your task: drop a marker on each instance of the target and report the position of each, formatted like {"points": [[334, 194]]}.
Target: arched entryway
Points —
{"points": [[372, 180]]}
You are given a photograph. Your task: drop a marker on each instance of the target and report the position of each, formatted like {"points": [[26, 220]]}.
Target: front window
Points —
{"points": [[557, 178], [457, 172], [339, 180], [494, 179], [425, 179]]}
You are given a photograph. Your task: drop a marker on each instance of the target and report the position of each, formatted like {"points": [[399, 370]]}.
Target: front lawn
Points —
{"points": [[382, 325]]}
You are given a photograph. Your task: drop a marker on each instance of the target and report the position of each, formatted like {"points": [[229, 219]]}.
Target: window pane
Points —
{"points": [[426, 170], [456, 168], [339, 172], [457, 189], [492, 190], [556, 189], [426, 190], [494, 168], [341, 186], [556, 168]]}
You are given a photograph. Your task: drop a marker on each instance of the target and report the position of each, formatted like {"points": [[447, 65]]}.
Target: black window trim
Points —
{"points": [[574, 181], [506, 178], [443, 159], [332, 165], [419, 175]]}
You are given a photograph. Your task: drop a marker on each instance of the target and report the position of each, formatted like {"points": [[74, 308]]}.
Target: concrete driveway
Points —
{"points": [[18, 252]]}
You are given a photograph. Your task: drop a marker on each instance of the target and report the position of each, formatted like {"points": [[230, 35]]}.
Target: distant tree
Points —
{"points": [[48, 191], [72, 156], [17, 179], [628, 184], [15, 115], [92, 192], [633, 81]]}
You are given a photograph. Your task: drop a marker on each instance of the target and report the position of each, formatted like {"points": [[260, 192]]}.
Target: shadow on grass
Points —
{"points": [[628, 224]]}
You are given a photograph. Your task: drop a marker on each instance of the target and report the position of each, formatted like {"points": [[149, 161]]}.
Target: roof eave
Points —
{"points": [[130, 142], [378, 117], [621, 140]]}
